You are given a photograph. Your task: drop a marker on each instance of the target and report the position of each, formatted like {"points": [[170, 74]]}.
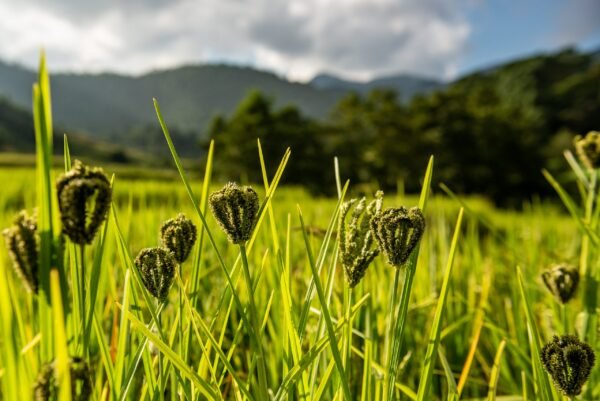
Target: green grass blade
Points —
{"points": [[434, 337], [493, 386]]}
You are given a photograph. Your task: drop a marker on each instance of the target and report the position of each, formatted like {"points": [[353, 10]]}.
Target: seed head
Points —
{"points": [[562, 282], [157, 268], [398, 231], [179, 235], [22, 242], [236, 210], [588, 149], [46, 385], [84, 196], [569, 363], [356, 238]]}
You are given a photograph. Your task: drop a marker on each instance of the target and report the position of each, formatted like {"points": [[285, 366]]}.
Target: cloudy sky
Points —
{"points": [[357, 39]]}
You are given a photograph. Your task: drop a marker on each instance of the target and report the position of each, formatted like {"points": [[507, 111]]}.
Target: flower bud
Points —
{"points": [[46, 385], [236, 210], [356, 238], [562, 282], [84, 196], [569, 363], [588, 149], [157, 268], [398, 231], [22, 242], [179, 235]]}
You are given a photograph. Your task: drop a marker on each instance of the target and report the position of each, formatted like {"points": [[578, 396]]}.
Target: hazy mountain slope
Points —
{"points": [[406, 85], [111, 104]]}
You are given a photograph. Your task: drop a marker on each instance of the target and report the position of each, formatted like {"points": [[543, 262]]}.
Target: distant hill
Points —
{"points": [[17, 136], [406, 86], [109, 105]]}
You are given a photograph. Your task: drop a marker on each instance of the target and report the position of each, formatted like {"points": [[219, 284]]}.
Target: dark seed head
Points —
{"points": [[588, 149], [398, 231], [236, 210], [562, 282], [46, 385], [356, 239], [84, 196], [569, 362], [157, 268], [22, 242], [179, 235]]}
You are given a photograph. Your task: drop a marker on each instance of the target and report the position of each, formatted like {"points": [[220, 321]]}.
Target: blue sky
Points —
{"points": [[355, 39], [501, 30]]}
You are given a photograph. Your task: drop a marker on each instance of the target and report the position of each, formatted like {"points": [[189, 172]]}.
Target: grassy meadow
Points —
{"points": [[464, 319]]}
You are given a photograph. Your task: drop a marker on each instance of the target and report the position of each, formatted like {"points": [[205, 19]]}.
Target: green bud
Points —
{"points": [[22, 242], [398, 231], [84, 196], [236, 210], [562, 282], [46, 384], [179, 235], [157, 268], [588, 149], [356, 238], [569, 363]]}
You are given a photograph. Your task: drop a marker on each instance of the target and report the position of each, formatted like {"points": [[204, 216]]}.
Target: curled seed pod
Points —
{"points": [[236, 210], [22, 242], [179, 235], [398, 231], [562, 282], [84, 196], [356, 238], [46, 385], [157, 268], [569, 363], [588, 149]]}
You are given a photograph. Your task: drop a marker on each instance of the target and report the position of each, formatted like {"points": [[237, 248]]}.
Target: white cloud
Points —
{"points": [[298, 38]]}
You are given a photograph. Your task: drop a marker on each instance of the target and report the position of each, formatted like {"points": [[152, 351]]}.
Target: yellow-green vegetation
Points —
{"points": [[253, 293]]}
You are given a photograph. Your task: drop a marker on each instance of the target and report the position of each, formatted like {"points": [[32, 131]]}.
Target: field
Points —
{"points": [[469, 324]]}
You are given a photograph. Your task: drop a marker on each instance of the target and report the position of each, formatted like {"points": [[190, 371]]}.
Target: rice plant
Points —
{"points": [[144, 290]]}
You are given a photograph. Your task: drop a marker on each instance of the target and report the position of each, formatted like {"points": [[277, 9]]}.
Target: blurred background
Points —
{"points": [[495, 89]]}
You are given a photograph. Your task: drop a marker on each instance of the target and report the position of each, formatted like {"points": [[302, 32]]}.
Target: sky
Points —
{"points": [[297, 39]]}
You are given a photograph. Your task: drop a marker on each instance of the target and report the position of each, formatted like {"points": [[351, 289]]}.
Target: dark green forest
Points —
{"points": [[491, 132]]}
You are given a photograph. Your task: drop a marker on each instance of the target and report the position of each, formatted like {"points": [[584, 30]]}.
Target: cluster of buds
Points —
{"points": [[562, 282], [84, 197], [588, 149], [46, 384], [179, 235], [22, 242], [398, 231], [235, 209], [356, 238], [569, 363], [157, 268]]}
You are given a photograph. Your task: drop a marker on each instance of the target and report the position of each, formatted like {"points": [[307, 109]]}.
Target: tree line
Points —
{"points": [[491, 132]]}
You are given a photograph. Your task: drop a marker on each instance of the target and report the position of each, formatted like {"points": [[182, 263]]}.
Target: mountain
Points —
{"points": [[110, 105], [406, 86], [17, 136]]}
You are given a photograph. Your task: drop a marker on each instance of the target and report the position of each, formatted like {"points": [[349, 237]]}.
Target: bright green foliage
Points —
{"points": [[569, 362], [355, 237]]}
